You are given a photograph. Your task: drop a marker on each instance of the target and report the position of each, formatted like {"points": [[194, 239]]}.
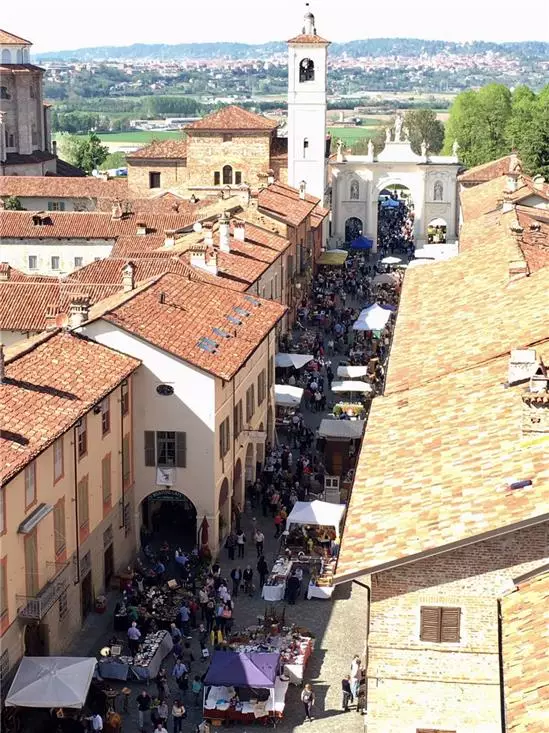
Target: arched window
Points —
{"points": [[227, 175], [19, 56], [354, 191], [4, 93], [306, 70], [438, 191], [6, 56], [353, 228]]}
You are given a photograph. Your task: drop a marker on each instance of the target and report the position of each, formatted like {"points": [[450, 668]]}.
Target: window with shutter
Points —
{"points": [[181, 450], [439, 624], [150, 452], [106, 483]]}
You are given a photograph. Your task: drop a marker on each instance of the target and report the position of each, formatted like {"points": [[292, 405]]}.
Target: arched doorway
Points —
{"points": [[353, 228], [170, 515], [436, 231], [224, 509], [395, 219], [238, 494]]}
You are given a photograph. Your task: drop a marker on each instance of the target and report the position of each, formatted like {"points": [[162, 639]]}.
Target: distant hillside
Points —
{"points": [[370, 47]]}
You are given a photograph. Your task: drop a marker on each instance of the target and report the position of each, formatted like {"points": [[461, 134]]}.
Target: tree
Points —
{"points": [[91, 153], [12, 203], [423, 125], [532, 138], [113, 160], [68, 147]]}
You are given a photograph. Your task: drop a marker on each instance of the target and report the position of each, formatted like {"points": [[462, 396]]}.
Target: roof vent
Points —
{"points": [[207, 344], [39, 220], [222, 333], [535, 227], [254, 301], [523, 364], [141, 228], [162, 298], [79, 310], [519, 484]]}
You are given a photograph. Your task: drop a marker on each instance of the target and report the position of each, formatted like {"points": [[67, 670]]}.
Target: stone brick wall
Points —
{"points": [[453, 686], [173, 173], [247, 153]]}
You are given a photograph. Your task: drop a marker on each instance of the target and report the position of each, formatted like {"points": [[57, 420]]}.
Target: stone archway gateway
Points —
{"points": [[431, 180], [353, 228], [169, 514]]}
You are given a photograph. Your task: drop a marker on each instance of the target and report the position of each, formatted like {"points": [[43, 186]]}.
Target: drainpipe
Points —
{"points": [[234, 444], [122, 524], [500, 665], [76, 518]]}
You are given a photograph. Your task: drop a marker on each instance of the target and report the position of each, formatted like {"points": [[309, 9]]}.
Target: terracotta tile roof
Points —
{"points": [[490, 170], [137, 245], [284, 202], [68, 170], [304, 38], [233, 118], [9, 39], [264, 237], [189, 312], [435, 467], [49, 386], [87, 224], [525, 647], [160, 150], [318, 216], [464, 311], [24, 304], [534, 238], [483, 198], [58, 186], [7, 272]]}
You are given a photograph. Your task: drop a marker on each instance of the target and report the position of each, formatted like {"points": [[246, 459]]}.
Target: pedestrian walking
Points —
{"points": [[240, 542], [96, 722], [346, 692], [293, 587], [197, 689], [356, 675], [230, 544], [259, 539], [144, 702], [178, 714], [308, 700], [181, 674], [236, 577], [134, 637], [248, 577], [263, 570]]}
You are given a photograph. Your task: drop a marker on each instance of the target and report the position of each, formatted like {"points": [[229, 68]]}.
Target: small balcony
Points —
{"points": [[36, 607]]}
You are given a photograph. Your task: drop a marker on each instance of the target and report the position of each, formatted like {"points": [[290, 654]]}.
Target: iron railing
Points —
{"points": [[36, 607]]}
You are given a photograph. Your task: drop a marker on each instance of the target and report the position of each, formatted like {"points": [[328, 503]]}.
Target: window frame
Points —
{"points": [[125, 398], [105, 416], [32, 260], [78, 265], [155, 182], [55, 259], [106, 485], [237, 178], [261, 387], [237, 418], [60, 530], [442, 628], [226, 173], [250, 403], [30, 589], [224, 437], [30, 472], [217, 178], [82, 435], [83, 497], [151, 442], [59, 442]]}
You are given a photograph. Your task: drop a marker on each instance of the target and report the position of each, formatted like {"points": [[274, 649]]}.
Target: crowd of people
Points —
{"points": [[395, 226]]}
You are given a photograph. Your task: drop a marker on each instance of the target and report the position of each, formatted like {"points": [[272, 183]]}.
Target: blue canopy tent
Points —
{"points": [[241, 669], [390, 204], [362, 243]]}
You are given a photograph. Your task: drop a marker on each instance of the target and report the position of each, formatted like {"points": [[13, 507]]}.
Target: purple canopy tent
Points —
{"points": [[241, 669]]}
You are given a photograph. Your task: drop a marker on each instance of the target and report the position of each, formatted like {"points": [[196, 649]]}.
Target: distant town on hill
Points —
{"points": [[410, 47]]}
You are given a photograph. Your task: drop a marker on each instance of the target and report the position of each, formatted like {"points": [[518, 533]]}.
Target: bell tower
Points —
{"points": [[307, 70]]}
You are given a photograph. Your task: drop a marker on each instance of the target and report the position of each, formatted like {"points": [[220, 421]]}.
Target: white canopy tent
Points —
{"points": [[351, 386], [51, 682], [316, 512], [351, 372], [288, 396], [293, 360], [341, 429], [391, 260], [374, 318]]}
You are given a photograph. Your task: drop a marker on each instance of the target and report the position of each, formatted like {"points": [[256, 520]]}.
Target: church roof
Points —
{"points": [[233, 118], [8, 39], [162, 150], [305, 38]]}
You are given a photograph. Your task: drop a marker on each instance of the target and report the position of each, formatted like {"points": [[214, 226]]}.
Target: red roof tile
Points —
{"points": [[161, 150], [525, 647], [8, 39], [284, 202], [304, 38], [490, 170], [233, 118], [23, 305], [189, 312], [48, 387], [57, 186]]}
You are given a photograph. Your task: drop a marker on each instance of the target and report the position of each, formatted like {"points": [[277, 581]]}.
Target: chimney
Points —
{"points": [[128, 277], [240, 231], [208, 233], [507, 205], [169, 238], [224, 232], [512, 182], [79, 310], [270, 177], [204, 258], [5, 271], [302, 190], [245, 194], [2, 364], [52, 311], [116, 211], [141, 228]]}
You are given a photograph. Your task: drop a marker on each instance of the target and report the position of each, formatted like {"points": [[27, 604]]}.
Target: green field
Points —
{"points": [[139, 136], [351, 135]]}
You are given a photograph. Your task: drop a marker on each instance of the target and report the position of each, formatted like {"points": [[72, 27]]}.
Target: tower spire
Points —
{"points": [[309, 28]]}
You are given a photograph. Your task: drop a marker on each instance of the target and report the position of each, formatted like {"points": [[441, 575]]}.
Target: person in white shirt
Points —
{"points": [[96, 722], [356, 673]]}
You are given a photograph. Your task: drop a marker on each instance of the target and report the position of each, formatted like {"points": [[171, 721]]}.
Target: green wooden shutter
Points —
{"points": [[181, 450], [150, 448]]}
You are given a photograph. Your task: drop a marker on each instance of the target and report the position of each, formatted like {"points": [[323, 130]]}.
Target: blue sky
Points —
{"points": [[65, 24]]}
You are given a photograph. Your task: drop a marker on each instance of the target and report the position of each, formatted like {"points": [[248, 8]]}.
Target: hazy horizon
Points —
{"points": [[108, 24]]}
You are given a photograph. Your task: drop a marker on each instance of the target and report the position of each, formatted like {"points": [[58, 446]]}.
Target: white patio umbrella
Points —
{"points": [[373, 318], [387, 278], [288, 396], [51, 682], [351, 386], [293, 360], [390, 260], [351, 372]]}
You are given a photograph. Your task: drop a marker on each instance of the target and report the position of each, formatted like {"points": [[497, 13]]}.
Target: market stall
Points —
{"points": [[244, 687], [351, 372], [341, 443], [332, 258], [320, 513], [297, 361], [275, 586], [146, 663], [287, 400], [51, 682]]}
